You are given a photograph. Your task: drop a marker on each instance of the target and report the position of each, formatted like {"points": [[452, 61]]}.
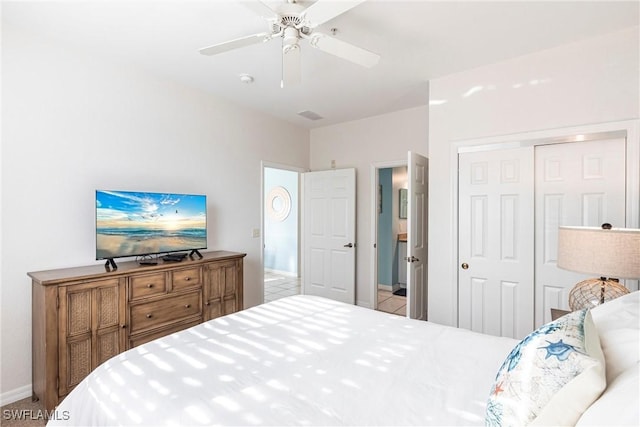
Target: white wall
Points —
{"points": [[75, 122], [592, 81], [358, 144]]}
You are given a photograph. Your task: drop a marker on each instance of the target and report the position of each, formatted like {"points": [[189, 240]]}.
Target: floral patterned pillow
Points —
{"points": [[551, 377]]}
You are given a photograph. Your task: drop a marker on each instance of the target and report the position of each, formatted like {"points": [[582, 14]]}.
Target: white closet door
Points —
{"points": [[495, 270], [581, 184]]}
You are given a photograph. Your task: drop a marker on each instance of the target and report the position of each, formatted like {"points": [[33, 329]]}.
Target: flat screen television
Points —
{"points": [[130, 223]]}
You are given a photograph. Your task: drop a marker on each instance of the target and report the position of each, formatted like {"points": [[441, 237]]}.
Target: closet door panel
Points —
{"points": [[495, 272], [576, 184]]}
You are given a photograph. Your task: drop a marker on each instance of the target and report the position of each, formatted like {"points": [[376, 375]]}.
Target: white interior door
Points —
{"points": [[329, 234], [579, 184], [418, 173], [495, 231]]}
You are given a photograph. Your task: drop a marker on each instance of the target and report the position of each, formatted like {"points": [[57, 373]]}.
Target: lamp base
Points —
{"points": [[592, 292]]}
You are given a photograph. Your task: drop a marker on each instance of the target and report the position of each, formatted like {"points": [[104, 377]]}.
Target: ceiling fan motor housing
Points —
{"points": [[290, 21]]}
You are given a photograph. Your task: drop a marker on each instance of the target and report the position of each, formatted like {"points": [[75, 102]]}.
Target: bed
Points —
{"points": [[306, 360]]}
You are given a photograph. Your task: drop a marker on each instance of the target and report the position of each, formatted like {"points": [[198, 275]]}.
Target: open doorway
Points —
{"points": [[281, 231], [391, 239]]}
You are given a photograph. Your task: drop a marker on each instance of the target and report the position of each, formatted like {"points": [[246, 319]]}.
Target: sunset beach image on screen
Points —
{"points": [[136, 223]]}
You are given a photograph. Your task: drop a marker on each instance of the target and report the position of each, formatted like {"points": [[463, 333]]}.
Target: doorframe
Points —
{"points": [[374, 167], [628, 129], [272, 165]]}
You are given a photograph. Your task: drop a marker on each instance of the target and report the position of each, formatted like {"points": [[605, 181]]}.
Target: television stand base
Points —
{"points": [[195, 251], [110, 265]]}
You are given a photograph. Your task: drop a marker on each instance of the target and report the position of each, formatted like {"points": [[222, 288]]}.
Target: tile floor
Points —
{"points": [[390, 303], [278, 286]]}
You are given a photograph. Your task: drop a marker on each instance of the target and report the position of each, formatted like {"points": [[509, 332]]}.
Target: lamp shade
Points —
{"points": [[606, 253]]}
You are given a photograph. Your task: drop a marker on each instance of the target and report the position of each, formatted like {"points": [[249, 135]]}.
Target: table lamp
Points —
{"points": [[610, 253]]}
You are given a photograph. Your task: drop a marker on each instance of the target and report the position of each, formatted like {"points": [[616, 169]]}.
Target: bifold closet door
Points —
{"points": [[495, 265], [576, 184]]}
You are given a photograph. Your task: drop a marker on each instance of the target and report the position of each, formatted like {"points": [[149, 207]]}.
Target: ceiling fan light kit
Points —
{"points": [[292, 22]]}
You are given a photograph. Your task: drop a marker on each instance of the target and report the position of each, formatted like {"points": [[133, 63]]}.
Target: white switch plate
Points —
{"points": [[256, 232]]}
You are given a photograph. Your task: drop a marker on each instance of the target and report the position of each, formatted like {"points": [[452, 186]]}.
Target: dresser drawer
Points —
{"points": [[147, 285], [164, 311], [138, 339], [187, 278]]}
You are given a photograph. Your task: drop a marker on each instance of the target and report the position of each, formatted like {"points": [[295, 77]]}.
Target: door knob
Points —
{"points": [[464, 266], [348, 245]]}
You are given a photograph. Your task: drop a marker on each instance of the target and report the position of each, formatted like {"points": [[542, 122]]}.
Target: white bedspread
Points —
{"points": [[296, 361]]}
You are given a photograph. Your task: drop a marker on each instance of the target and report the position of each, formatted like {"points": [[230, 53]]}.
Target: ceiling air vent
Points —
{"points": [[310, 115]]}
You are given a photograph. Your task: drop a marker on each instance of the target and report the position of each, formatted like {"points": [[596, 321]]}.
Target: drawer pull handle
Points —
{"points": [[123, 326], [187, 278], [150, 285], [149, 316], [187, 306]]}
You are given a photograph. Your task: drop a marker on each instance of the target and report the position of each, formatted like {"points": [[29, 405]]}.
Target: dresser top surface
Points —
{"points": [[53, 277]]}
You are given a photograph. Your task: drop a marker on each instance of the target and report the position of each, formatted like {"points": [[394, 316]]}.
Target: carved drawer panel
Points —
{"points": [[167, 310], [148, 285], [187, 278], [79, 357]]}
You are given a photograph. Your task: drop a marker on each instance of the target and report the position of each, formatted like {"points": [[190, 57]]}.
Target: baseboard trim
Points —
{"points": [[15, 395]]}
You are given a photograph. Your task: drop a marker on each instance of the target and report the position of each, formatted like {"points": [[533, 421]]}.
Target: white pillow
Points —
{"points": [[618, 405], [551, 377], [618, 324]]}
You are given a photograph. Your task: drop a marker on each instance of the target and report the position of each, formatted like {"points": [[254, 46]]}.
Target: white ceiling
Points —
{"points": [[417, 40]]}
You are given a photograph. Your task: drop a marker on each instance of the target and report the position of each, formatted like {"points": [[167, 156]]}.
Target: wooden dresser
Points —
{"points": [[83, 316]]}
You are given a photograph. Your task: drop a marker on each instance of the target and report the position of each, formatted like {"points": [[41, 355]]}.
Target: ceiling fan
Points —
{"points": [[293, 22]]}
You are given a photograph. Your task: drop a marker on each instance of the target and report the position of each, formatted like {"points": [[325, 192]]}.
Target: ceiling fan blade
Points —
{"points": [[344, 50], [324, 10], [234, 44], [259, 8], [291, 65]]}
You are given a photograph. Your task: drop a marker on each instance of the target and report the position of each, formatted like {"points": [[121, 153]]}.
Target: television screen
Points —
{"points": [[134, 223]]}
